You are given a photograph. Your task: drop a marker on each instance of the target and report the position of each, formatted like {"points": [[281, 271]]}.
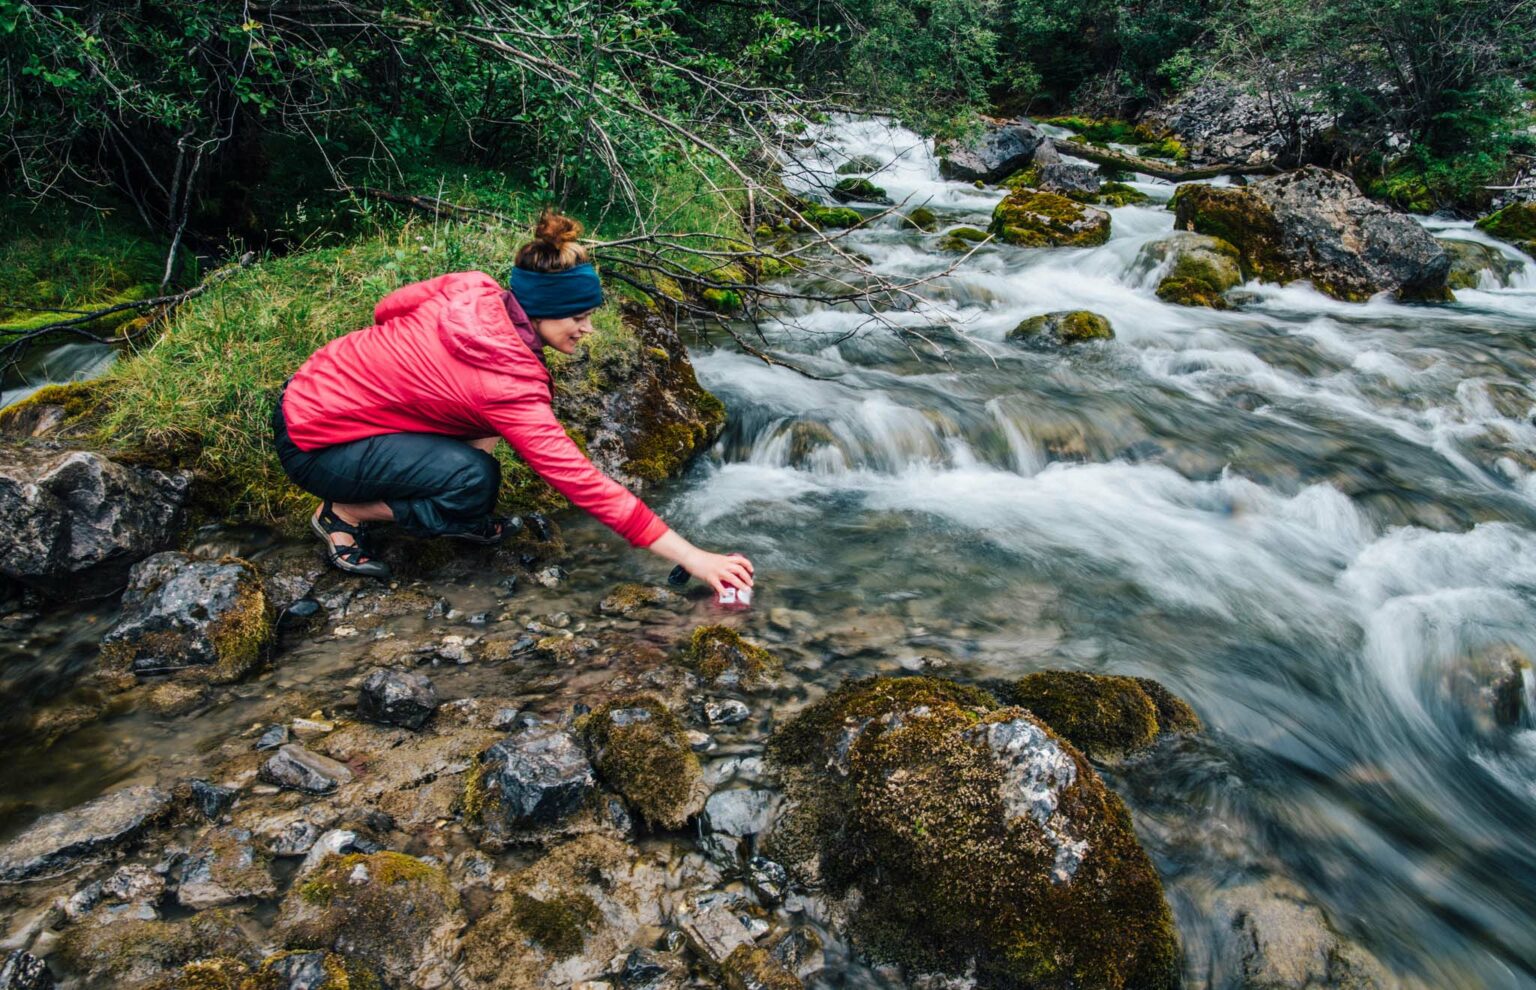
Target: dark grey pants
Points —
{"points": [[434, 484]]}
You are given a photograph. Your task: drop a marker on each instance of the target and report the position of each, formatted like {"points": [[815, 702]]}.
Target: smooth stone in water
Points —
{"points": [[296, 768], [59, 841], [272, 738], [393, 697], [994, 155]]}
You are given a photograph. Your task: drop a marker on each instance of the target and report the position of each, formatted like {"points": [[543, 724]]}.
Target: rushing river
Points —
{"points": [[1301, 515]]}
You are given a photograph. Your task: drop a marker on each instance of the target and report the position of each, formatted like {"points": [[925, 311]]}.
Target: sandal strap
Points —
{"points": [[350, 553], [335, 524]]}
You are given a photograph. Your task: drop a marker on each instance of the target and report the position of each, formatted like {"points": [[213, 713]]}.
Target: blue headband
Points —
{"points": [[553, 295]]}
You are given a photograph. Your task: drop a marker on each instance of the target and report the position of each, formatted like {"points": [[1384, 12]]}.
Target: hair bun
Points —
{"points": [[556, 229]]}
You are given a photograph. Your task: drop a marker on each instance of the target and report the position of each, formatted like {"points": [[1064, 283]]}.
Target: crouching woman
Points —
{"points": [[397, 422]]}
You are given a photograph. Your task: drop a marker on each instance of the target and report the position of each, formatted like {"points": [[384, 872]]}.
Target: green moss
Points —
{"points": [[1107, 717], [1515, 223], [1098, 130], [722, 300], [922, 218], [1405, 189], [1120, 194], [1030, 218], [1066, 327], [1203, 270], [1469, 259], [859, 164], [385, 869], [1164, 147], [559, 924], [718, 653], [241, 636], [858, 190], [211, 974], [77, 399], [829, 217], [648, 760], [916, 784], [962, 239]]}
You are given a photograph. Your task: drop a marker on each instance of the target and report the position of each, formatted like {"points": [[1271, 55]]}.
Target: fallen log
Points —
{"points": [[1153, 167]]}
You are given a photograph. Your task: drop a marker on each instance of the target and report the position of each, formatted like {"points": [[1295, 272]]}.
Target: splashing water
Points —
{"points": [[1303, 515]]}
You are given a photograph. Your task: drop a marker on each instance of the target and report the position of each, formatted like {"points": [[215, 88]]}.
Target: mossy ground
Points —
{"points": [[223, 973], [716, 652], [128, 952], [1031, 218], [1104, 131], [914, 819], [648, 761], [558, 925], [1107, 717]]}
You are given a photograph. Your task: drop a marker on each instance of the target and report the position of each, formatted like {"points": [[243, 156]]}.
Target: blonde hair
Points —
{"points": [[555, 246]]}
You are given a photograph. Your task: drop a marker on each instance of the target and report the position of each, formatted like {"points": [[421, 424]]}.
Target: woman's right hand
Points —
{"points": [[720, 570]]}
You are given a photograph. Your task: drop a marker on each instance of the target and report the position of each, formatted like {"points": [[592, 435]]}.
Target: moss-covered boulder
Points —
{"points": [[562, 919], [1203, 268], [283, 971], [814, 216], [859, 165], [1315, 225], [394, 912], [1515, 223], [1073, 326], [640, 749], [1472, 262], [630, 599], [974, 836], [133, 953], [1031, 218], [859, 190], [1107, 717], [1119, 194], [721, 655], [922, 218], [962, 239], [181, 613], [637, 405]]}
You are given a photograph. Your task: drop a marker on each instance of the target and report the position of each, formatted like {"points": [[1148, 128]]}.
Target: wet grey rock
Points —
{"points": [[799, 950], [393, 697], [646, 969], [1487, 689], [996, 154], [336, 842], [714, 933], [295, 615], [551, 577], [1068, 178], [1315, 224], [211, 799], [725, 712], [24, 971], [768, 880], [290, 575], [272, 738], [732, 818], [504, 719], [1473, 262], [179, 612], [535, 777], [83, 901], [224, 867], [294, 839], [64, 839], [72, 522], [133, 883], [296, 768], [300, 971]]}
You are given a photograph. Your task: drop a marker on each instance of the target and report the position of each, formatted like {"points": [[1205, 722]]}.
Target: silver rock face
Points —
{"points": [[1036, 771]]}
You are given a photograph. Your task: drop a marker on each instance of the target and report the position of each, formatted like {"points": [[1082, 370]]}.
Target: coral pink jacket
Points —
{"points": [[445, 356]]}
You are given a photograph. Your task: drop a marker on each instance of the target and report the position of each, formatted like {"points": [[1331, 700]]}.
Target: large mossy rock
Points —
{"points": [[396, 913], [1071, 326], [859, 190], [1203, 268], [132, 953], [1471, 260], [1107, 717], [181, 613], [1315, 225], [994, 154], [562, 919], [1515, 223], [973, 835], [639, 410], [1032, 218], [640, 749], [72, 522]]}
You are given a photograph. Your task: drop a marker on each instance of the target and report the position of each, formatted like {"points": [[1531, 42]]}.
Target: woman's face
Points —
{"points": [[562, 334]]}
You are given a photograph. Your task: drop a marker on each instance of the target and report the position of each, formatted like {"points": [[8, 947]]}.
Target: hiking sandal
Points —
{"points": [[354, 558], [492, 531]]}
